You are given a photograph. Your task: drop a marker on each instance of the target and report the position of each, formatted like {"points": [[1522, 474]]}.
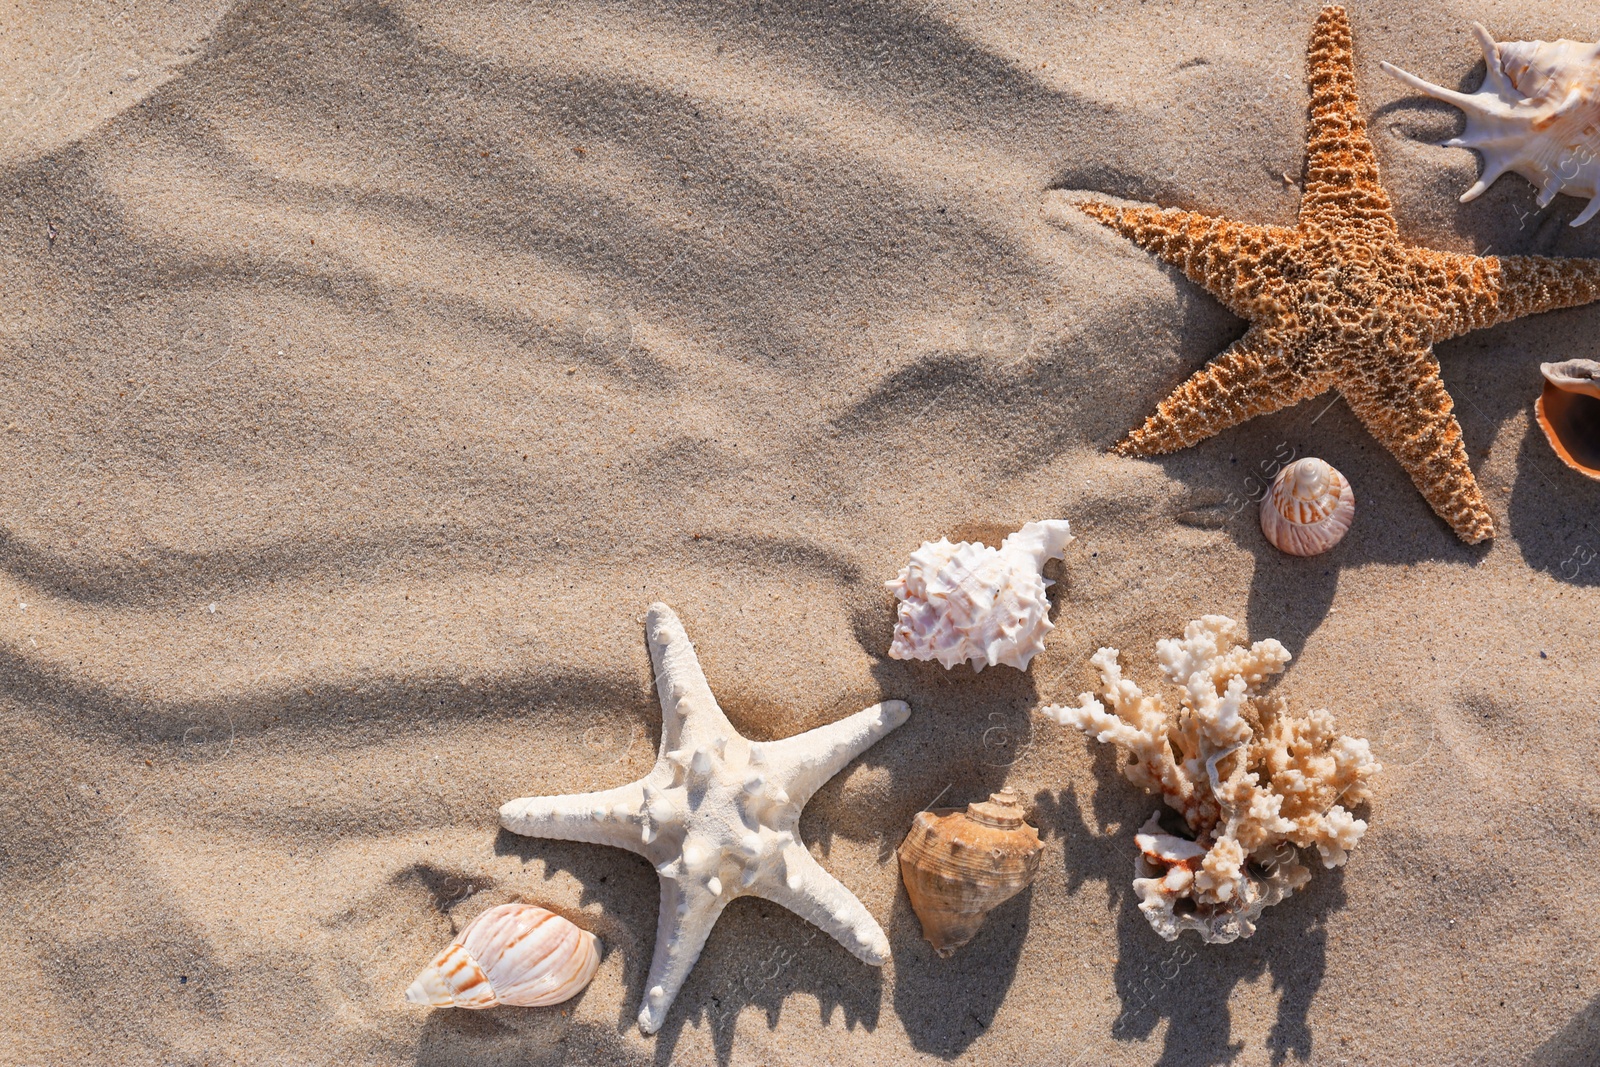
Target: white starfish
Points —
{"points": [[718, 816]]}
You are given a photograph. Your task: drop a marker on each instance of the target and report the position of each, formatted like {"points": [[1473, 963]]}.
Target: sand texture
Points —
{"points": [[366, 369]]}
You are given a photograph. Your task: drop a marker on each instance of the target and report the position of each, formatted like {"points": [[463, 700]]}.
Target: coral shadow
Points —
{"points": [[1187, 982]]}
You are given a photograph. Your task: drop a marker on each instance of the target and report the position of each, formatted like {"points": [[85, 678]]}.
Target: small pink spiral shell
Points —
{"points": [[1308, 509]]}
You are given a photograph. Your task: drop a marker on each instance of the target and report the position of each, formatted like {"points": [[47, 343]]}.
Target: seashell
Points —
{"points": [[1574, 376], [1536, 114], [960, 865], [1308, 509], [967, 602], [515, 954], [1569, 413]]}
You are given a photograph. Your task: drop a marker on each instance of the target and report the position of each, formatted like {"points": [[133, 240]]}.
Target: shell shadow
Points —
{"points": [[1187, 982], [1505, 217], [979, 723], [1290, 596], [976, 977], [514, 1037], [1549, 514]]}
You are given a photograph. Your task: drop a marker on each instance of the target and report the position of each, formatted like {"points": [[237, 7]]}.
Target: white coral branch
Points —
{"points": [[1252, 782]]}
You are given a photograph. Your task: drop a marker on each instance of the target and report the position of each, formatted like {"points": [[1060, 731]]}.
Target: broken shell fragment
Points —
{"points": [[960, 865], [1308, 509], [1568, 412], [1574, 376], [515, 954]]}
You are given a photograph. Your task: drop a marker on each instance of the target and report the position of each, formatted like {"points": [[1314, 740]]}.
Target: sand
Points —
{"points": [[367, 369]]}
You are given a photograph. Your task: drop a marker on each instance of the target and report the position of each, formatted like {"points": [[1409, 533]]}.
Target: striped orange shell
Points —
{"points": [[1569, 413], [1308, 509], [516, 954], [960, 865]]}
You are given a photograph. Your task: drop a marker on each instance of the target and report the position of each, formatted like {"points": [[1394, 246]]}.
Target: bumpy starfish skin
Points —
{"points": [[718, 816], [1339, 301]]}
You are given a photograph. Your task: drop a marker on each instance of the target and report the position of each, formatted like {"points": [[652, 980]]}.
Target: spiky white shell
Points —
{"points": [[516, 954], [965, 602], [1308, 509], [1537, 114]]}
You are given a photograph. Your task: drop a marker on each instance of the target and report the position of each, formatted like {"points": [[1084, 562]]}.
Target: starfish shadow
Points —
{"points": [[1228, 476], [1187, 982], [770, 956], [623, 885], [763, 955]]}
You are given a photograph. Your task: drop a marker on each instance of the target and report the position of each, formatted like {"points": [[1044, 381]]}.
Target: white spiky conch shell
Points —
{"points": [[515, 954], [1308, 508], [966, 602], [1537, 114]]}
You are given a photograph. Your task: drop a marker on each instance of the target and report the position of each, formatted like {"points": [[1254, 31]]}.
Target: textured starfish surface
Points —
{"points": [[1340, 301], [718, 816]]}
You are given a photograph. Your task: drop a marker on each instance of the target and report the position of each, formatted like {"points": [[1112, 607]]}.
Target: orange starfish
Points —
{"points": [[1340, 302]]}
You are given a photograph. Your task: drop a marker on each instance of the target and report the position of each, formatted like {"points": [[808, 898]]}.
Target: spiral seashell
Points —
{"points": [[960, 865], [1308, 509], [1568, 412], [516, 954], [968, 602], [1537, 114]]}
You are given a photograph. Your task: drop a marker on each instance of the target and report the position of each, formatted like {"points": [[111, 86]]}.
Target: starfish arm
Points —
{"points": [[612, 817], [1259, 374], [1342, 190], [1476, 292], [819, 898], [1404, 404], [1531, 284], [1223, 256], [688, 912], [802, 763], [680, 683]]}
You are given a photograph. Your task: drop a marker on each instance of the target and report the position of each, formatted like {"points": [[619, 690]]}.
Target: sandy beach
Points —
{"points": [[367, 369]]}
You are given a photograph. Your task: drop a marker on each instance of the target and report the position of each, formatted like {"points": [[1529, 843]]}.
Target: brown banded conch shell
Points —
{"points": [[960, 865], [516, 954], [1308, 508], [1569, 413]]}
